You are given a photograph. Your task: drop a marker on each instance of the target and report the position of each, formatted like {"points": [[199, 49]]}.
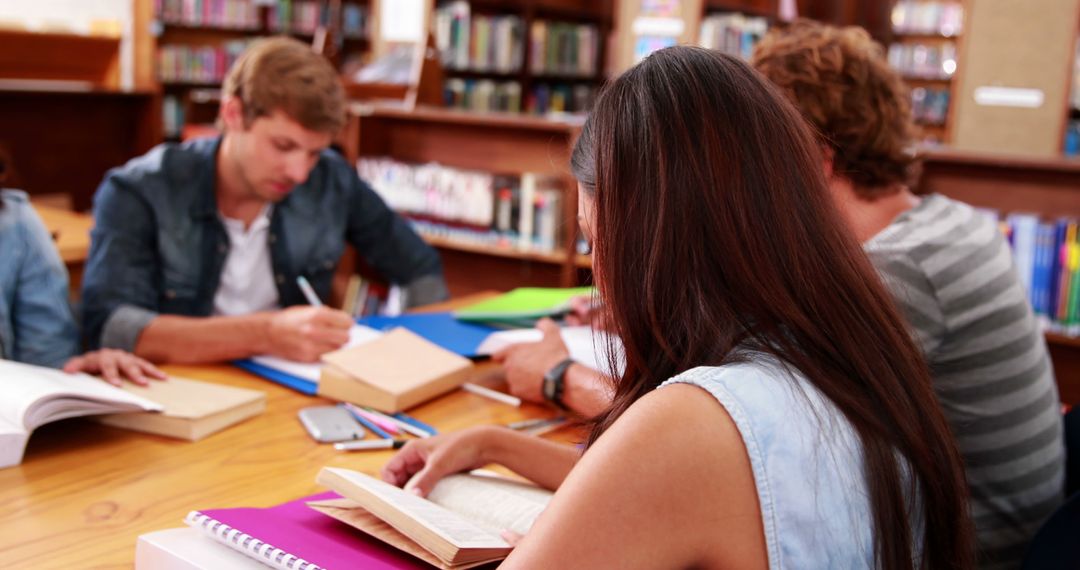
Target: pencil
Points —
{"points": [[491, 394]]}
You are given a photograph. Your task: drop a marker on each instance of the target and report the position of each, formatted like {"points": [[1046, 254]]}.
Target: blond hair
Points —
{"points": [[284, 74]]}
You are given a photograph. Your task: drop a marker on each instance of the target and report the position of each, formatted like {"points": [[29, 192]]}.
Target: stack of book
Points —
{"points": [[734, 34], [483, 95], [197, 64], [354, 21], [295, 16], [1047, 258], [521, 212], [236, 14], [930, 105]]}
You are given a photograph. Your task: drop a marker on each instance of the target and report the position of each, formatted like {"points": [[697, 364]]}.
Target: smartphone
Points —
{"points": [[329, 424]]}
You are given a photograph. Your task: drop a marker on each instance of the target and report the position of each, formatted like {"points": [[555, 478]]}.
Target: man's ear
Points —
{"points": [[232, 113], [827, 155]]}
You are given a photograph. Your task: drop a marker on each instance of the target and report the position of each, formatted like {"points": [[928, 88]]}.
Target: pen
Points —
{"points": [[308, 292], [491, 394], [379, 420], [398, 424], [416, 423], [367, 423], [535, 423], [368, 445]]}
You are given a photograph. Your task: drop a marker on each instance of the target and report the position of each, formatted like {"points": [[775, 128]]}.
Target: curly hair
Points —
{"points": [[841, 83]]}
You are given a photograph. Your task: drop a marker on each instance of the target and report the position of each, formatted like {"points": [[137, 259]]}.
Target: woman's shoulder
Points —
{"points": [[15, 211]]}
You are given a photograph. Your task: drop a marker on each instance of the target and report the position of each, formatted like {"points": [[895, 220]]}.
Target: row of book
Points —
{"points": [[235, 14], [304, 16], [172, 116], [733, 34], [919, 17], [559, 48], [924, 61], [930, 105], [1072, 138], [198, 64], [1047, 258], [479, 43], [522, 212], [487, 95]]}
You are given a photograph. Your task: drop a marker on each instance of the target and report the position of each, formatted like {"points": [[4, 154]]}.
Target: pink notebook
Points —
{"points": [[295, 537]]}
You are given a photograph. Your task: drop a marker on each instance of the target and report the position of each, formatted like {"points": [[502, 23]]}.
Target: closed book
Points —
{"points": [[394, 372], [192, 409]]}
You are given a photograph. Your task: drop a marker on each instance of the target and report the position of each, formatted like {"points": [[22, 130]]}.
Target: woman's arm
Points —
{"points": [[426, 461], [669, 485]]}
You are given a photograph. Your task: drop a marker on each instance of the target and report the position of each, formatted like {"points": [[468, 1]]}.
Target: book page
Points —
{"points": [[358, 334], [32, 395], [492, 502], [455, 529]]}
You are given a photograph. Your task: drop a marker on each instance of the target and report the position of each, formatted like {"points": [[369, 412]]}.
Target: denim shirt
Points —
{"points": [[158, 245], [36, 324]]}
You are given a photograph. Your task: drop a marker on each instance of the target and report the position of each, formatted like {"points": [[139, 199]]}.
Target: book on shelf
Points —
{"points": [[457, 525], [733, 33], [31, 396], [1046, 255], [480, 43], [923, 60], [523, 213], [232, 14], [920, 17], [289, 536], [562, 48], [191, 409], [391, 373], [198, 64]]}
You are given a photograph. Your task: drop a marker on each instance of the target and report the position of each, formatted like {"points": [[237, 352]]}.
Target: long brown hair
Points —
{"points": [[714, 229]]}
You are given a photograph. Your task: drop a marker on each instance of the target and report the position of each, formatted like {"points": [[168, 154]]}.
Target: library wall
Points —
{"points": [[104, 17]]}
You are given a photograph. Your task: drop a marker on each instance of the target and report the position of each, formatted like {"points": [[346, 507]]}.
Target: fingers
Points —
{"points": [[404, 464], [512, 538], [150, 370], [110, 370], [74, 365], [548, 327], [133, 371], [332, 318], [332, 337]]}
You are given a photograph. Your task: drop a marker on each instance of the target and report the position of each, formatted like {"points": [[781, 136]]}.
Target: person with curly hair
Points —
{"points": [[947, 267]]}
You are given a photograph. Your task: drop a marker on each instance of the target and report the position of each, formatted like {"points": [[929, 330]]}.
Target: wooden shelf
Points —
{"points": [[556, 258], [919, 79], [168, 27], [191, 84], [474, 74], [446, 116], [924, 36], [1063, 340], [582, 261]]}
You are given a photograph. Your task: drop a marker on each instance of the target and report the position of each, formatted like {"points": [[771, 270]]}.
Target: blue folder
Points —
{"points": [[439, 328]]}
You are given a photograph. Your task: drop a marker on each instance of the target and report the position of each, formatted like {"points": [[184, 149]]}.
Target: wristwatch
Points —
{"points": [[554, 382]]}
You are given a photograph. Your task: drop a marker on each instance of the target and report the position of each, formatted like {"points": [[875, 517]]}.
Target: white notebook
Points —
{"points": [[586, 345], [358, 334]]}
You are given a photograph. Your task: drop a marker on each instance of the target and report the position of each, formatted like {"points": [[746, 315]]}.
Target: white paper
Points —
{"points": [[358, 334]]}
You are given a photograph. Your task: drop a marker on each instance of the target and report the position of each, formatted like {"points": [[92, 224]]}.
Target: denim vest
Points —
{"points": [[807, 464], [36, 325], [159, 246]]}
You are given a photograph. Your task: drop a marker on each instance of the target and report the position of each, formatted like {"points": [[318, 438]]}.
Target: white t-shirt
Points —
{"points": [[247, 278]]}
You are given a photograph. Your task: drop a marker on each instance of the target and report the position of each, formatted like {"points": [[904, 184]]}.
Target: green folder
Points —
{"points": [[523, 305]]}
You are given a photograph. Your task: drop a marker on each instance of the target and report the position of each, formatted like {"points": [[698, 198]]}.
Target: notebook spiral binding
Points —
{"points": [[247, 544]]}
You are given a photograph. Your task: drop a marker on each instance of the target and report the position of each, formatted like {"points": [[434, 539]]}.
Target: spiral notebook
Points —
{"points": [[292, 536]]}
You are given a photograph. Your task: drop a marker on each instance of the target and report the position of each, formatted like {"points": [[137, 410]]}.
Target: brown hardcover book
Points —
{"points": [[457, 526], [392, 373], [193, 409]]}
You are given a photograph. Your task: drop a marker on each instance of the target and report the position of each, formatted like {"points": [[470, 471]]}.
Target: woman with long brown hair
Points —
{"points": [[795, 425]]}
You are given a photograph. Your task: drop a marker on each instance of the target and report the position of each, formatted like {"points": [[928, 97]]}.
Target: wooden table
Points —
{"points": [[71, 234], [85, 491]]}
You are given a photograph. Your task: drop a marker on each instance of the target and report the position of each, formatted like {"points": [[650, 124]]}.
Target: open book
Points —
{"points": [[457, 526], [585, 344], [31, 396]]}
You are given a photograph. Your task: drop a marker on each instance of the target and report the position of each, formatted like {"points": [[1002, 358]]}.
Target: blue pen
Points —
{"points": [[415, 423], [367, 423]]}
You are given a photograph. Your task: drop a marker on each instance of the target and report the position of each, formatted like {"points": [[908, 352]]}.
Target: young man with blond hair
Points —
{"points": [[197, 247]]}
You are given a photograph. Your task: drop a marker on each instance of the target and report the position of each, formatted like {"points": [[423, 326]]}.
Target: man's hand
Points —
{"points": [[526, 363], [584, 310], [113, 365], [306, 333]]}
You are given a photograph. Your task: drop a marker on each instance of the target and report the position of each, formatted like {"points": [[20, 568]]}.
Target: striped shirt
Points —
{"points": [[952, 274]]}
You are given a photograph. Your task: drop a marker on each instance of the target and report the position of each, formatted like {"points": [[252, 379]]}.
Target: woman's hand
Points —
{"points": [[423, 462], [114, 365]]}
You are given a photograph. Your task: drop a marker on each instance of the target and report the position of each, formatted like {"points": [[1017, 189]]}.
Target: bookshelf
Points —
{"points": [[923, 48], [503, 145], [193, 43], [529, 56]]}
